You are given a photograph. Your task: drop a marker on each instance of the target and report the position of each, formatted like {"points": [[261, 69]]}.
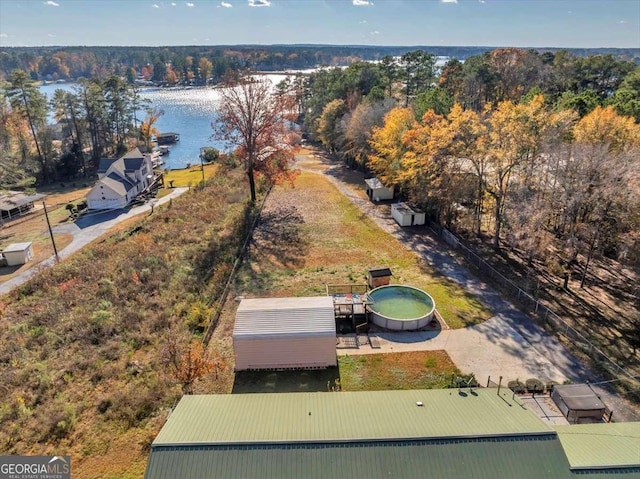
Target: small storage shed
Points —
{"points": [[578, 403], [379, 277], [18, 253], [376, 191], [405, 216], [285, 333]]}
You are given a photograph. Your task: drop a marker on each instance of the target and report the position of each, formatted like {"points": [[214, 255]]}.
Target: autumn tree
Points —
{"points": [[426, 165], [14, 159], [256, 121], [389, 146], [205, 67], [598, 186], [147, 128], [357, 126], [187, 361], [515, 145], [469, 147], [327, 125], [27, 100]]}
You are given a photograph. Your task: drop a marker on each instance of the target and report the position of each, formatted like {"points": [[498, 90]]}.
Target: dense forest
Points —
{"points": [[183, 63], [538, 151]]}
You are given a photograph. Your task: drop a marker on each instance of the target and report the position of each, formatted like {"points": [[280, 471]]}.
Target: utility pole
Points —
{"points": [[202, 163], [53, 241]]}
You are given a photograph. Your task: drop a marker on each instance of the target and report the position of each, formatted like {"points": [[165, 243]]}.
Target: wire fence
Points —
{"points": [[221, 301], [533, 305]]}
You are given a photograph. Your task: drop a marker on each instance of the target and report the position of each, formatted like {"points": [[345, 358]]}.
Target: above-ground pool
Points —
{"points": [[401, 307]]}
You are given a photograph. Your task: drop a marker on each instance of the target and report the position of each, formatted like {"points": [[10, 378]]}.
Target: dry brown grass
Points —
{"points": [[81, 357]]}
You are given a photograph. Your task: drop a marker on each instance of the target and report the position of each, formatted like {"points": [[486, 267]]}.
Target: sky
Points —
{"points": [[517, 23]]}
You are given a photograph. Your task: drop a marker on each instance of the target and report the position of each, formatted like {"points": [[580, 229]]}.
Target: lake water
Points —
{"points": [[187, 111]]}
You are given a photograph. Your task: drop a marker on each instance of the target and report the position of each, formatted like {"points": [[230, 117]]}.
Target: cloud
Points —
{"points": [[4, 35], [449, 1], [362, 21], [155, 5], [225, 5], [259, 3], [190, 5], [51, 35], [173, 4], [51, 3], [622, 22], [375, 32], [363, 3], [482, 1]]}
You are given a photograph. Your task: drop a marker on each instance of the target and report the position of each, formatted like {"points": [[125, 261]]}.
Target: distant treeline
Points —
{"points": [[184, 63]]}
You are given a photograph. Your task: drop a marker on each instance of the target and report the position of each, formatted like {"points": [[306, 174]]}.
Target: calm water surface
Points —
{"points": [[401, 303], [187, 111]]}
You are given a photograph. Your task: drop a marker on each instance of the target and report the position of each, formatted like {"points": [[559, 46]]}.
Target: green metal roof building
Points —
{"points": [[383, 434]]}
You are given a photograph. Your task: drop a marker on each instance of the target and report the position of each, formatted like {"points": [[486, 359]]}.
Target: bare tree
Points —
{"points": [[251, 117]]}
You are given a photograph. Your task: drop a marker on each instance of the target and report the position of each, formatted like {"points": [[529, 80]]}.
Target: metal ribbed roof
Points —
{"points": [[345, 416], [15, 199], [601, 445], [522, 458], [283, 317]]}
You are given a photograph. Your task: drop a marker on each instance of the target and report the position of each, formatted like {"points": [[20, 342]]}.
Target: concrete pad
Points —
{"points": [[491, 349]]}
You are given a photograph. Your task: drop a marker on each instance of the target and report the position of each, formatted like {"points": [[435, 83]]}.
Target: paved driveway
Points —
{"points": [[84, 230]]}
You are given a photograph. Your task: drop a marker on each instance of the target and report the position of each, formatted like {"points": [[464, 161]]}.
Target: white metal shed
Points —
{"points": [[18, 253], [285, 333], [376, 190], [405, 216]]}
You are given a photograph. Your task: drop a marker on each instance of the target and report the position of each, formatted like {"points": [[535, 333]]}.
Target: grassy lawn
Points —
{"points": [[409, 370], [312, 235], [189, 176]]}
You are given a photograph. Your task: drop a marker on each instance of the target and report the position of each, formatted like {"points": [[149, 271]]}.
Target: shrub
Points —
{"points": [[534, 385], [517, 387]]}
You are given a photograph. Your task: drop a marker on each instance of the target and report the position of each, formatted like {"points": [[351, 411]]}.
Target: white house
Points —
{"points": [[285, 333], [120, 181], [405, 216], [376, 190], [18, 253]]}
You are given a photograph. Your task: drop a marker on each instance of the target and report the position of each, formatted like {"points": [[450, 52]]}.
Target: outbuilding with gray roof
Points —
{"points": [[285, 333]]}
